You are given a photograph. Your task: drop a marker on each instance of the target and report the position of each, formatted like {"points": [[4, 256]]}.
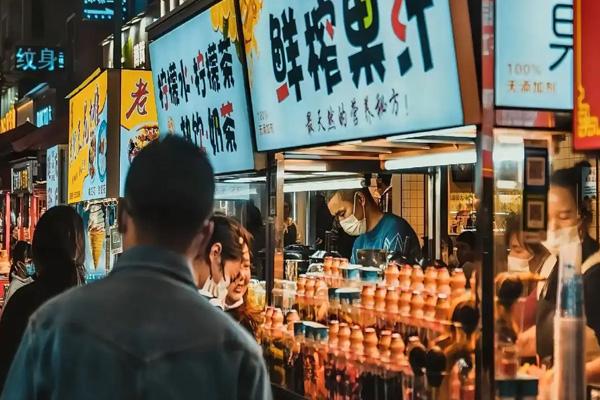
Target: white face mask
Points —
{"points": [[560, 237], [352, 225], [518, 264]]}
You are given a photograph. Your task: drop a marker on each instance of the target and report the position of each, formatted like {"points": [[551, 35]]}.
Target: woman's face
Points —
{"points": [[562, 209], [517, 250], [239, 284]]}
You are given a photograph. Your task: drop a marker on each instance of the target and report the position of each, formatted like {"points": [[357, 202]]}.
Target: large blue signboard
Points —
{"points": [[534, 54], [200, 89], [328, 71]]}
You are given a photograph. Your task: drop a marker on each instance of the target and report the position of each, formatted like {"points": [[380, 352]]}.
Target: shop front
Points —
{"points": [[202, 95], [351, 108], [112, 116]]}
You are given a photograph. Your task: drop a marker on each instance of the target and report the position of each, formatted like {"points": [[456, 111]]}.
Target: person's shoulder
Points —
{"points": [[392, 221]]}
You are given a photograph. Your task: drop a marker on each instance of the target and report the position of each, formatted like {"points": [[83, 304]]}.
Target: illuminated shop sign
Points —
{"points": [[534, 54], [39, 59], [98, 10], [44, 116]]}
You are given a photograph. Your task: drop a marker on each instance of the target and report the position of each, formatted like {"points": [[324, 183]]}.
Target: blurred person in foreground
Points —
{"points": [[58, 253], [568, 223], [21, 269], [144, 332]]}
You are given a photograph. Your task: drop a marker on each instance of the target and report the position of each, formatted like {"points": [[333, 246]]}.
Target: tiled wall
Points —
{"points": [[413, 202], [566, 158]]}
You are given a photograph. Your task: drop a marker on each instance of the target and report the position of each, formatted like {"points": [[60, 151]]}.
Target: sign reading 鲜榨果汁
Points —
{"points": [[324, 71], [534, 54], [39, 59], [586, 116], [199, 79]]}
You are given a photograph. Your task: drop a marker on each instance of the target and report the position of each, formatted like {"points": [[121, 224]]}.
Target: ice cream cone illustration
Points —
{"points": [[96, 232]]}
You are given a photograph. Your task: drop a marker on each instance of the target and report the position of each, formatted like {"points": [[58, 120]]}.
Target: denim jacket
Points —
{"points": [[144, 332]]}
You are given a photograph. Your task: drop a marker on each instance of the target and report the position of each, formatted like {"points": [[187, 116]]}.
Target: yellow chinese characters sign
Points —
{"points": [[8, 121], [88, 126], [139, 121]]}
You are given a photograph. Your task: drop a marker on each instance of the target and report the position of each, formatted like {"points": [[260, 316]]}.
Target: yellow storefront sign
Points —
{"points": [[88, 117], [8, 121], [139, 120]]}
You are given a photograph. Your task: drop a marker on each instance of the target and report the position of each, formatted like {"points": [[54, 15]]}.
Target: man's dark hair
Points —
{"points": [[58, 247], [231, 235], [467, 237], [386, 179], [572, 179], [169, 192], [348, 194]]}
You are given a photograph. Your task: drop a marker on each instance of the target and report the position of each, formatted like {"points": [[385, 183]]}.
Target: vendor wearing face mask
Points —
{"points": [[359, 215], [568, 222]]}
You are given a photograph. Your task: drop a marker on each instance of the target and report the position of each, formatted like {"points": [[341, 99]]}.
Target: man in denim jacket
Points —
{"points": [[144, 332]]}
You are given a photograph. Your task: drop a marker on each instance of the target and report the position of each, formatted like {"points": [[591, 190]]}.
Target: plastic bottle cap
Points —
{"points": [[528, 387], [506, 388]]}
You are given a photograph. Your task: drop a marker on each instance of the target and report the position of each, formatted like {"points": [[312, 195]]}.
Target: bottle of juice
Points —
{"points": [[332, 352], [370, 368], [354, 367], [295, 364], [341, 361], [277, 348]]}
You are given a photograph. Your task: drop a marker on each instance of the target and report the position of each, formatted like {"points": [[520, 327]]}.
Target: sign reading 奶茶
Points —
{"points": [[586, 117], [326, 71], [39, 59], [201, 89], [88, 129], [534, 54], [139, 125]]}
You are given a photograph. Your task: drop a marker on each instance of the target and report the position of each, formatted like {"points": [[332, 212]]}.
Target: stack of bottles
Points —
{"points": [[411, 336]]}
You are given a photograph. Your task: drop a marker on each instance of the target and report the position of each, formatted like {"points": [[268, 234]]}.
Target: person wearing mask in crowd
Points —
{"points": [[290, 231], [236, 301], [58, 253], [568, 222], [227, 248], [21, 269], [524, 258], [144, 330], [384, 189], [359, 215]]}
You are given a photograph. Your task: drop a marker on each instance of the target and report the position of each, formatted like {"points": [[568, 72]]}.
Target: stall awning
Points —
{"points": [[8, 138], [43, 138]]}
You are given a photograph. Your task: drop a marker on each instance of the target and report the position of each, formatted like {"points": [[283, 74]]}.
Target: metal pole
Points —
{"points": [[118, 24], [485, 211]]}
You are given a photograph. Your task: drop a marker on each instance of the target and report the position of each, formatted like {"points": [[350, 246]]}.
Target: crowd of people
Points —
{"points": [[147, 329]]}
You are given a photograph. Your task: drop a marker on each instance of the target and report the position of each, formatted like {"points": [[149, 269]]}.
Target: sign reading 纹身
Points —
{"points": [[88, 130], [39, 59], [534, 54], [201, 88], [586, 129], [326, 71]]}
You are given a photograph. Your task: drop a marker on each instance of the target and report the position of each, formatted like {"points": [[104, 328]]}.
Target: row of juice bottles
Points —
{"points": [[357, 337], [342, 362]]}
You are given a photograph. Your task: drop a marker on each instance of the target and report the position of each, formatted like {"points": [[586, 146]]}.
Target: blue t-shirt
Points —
{"points": [[392, 234]]}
